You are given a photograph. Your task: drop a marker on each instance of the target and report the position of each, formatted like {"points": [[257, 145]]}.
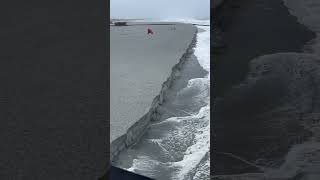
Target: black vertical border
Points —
{"points": [[212, 12]]}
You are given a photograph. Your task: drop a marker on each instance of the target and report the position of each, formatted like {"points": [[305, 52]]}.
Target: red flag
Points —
{"points": [[150, 31]]}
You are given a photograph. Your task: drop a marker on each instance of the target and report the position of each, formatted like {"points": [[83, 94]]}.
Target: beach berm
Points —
{"points": [[140, 64]]}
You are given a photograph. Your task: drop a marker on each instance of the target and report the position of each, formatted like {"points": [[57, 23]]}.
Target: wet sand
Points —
{"points": [[250, 29], [140, 63]]}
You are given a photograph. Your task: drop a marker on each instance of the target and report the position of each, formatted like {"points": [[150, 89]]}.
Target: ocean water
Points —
{"points": [[177, 147]]}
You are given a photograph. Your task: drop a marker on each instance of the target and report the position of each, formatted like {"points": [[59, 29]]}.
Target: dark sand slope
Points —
{"points": [[272, 127], [140, 64], [276, 94], [253, 28]]}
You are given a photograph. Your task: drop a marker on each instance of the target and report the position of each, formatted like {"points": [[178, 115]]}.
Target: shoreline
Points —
{"points": [[179, 107], [134, 132], [137, 75], [255, 95]]}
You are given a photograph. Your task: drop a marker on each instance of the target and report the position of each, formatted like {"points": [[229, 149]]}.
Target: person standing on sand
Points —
{"points": [[150, 31]]}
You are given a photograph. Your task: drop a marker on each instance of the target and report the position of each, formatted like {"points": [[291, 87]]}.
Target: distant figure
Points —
{"points": [[150, 31]]}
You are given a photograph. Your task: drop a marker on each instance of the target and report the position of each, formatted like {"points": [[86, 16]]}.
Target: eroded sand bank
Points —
{"points": [[140, 64]]}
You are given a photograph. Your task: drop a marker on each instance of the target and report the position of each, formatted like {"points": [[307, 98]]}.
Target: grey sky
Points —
{"points": [[160, 9]]}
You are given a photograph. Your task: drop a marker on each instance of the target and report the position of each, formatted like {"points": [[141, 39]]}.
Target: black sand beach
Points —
{"points": [[248, 120], [183, 94], [253, 28], [140, 64]]}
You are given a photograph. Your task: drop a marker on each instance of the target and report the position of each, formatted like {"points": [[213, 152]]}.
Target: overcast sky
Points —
{"points": [[162, 9]]}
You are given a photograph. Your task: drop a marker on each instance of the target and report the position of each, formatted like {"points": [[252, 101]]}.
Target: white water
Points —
{"points": [[178, 147], [201, 147]]}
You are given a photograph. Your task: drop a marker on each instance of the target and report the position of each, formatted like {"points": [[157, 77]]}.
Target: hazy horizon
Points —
{"points": [[165, 9]]}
